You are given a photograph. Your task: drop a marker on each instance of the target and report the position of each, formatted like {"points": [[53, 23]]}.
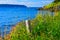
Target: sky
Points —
{"points": [[28, 3]]}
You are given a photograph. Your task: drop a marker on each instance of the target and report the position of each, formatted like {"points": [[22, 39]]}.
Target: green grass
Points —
{"points": [[52, 5], [45, 27]]}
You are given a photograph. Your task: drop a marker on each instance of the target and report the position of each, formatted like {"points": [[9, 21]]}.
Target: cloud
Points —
{"points": [[25, 2], [36, 4]]}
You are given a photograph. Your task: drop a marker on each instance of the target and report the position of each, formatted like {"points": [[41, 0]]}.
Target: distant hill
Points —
{"points": [[11, 5], [15, 5]]}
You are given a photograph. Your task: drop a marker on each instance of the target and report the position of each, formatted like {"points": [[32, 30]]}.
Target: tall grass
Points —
{"points": [[45, 27]]}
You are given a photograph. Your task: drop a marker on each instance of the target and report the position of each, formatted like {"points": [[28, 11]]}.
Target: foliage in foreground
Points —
{"points": [[45, 27]]}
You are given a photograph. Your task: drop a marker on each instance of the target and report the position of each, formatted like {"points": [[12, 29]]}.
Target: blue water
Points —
{"points": [[11, 15]]}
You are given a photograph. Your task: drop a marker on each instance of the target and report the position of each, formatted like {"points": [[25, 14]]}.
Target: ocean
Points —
{"points": [[10, 15]]}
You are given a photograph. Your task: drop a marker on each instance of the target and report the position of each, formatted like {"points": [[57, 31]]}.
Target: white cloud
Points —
{"points": [[24, 2]]}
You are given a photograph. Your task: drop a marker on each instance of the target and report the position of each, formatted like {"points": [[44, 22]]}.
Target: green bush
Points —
{"points": [[45, 27]]}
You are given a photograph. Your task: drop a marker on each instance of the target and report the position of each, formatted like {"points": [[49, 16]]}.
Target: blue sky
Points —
{"points": [[29, 3]]}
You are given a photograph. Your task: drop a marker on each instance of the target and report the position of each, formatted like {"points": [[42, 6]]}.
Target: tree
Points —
{"points": [[56, 1]]}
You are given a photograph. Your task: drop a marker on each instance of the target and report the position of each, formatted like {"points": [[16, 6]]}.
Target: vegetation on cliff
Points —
{"points": [[53, 4]]}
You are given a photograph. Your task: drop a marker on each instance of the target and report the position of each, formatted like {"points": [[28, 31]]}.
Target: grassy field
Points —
{"points": [[45, 27]]}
